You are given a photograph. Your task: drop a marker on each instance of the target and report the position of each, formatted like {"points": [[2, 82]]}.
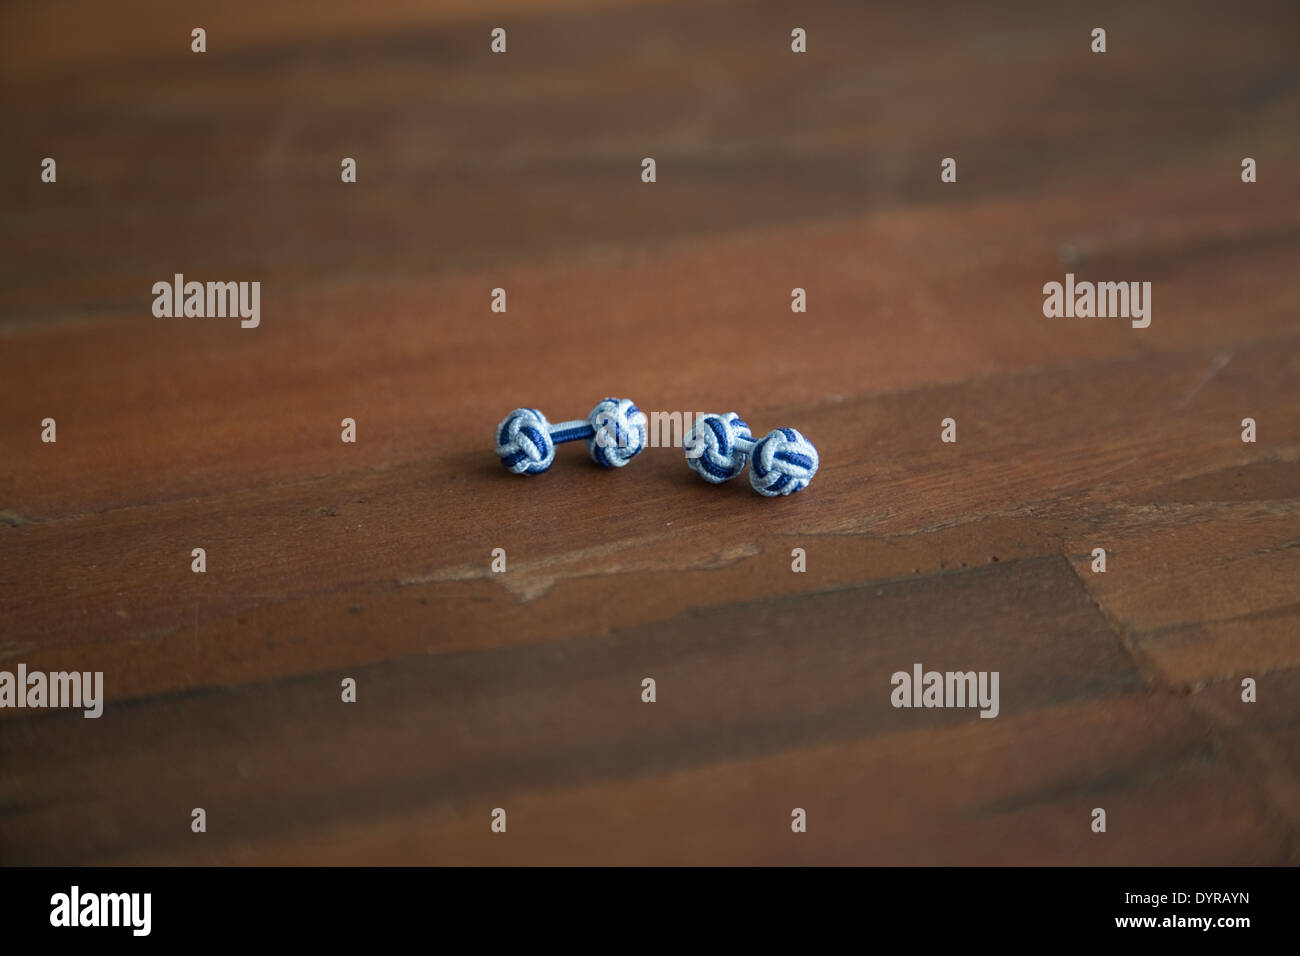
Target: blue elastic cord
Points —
{"points": [[577, 430]]}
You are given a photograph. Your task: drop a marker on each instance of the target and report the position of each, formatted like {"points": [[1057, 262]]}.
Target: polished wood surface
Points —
{"points": [[522, 690]]}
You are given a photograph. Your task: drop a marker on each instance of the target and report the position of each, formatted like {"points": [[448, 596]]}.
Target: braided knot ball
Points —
{"points": [[782, 463], [717, 447], [620, 432], [524, 442]]}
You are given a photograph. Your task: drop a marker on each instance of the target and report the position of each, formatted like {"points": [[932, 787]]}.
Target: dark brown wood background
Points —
{"points": [[522, 690]]}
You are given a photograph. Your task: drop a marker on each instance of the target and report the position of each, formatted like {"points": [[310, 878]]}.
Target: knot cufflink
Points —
{"points": [[718, 447], [615, 433], [781, 462]]}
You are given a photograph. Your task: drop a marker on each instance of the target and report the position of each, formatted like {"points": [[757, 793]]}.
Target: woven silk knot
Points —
{"points": [[782, 463], [524, 442], [618, 432], [717, 447]]}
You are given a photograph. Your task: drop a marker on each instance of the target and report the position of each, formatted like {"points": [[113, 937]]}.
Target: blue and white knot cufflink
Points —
{"points": [[718, 447], [781, 462], [615, 433]]}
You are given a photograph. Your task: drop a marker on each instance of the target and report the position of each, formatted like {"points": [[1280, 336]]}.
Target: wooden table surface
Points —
{"points": [[479, 690]]}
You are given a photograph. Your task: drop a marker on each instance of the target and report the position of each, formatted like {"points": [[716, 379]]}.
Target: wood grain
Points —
{"points": [[522, 690]]}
